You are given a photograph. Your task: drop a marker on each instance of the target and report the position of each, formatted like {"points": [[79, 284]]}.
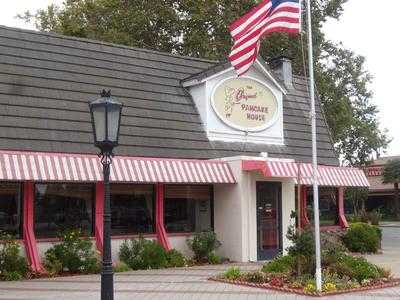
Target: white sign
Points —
{"points": [[245, 104]]}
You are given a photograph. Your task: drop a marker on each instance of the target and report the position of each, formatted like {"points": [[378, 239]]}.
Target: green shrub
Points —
{"points": [[175, 259], [356, 268], [214, 259], [254, 277], [74, 254], [13, 276], [375, 217], [121, 267], [203, 244], [302, 249], [302, 243], [281, 264], [363, 238], [13, 266], [233, 273], [142, 254]]}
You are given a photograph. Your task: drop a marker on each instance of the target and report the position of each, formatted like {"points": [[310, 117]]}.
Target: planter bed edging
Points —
{"points": [[392, 283]]}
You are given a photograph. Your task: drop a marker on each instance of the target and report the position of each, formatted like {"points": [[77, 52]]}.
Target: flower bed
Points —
{"points": [[341, 272], [300, 291]]}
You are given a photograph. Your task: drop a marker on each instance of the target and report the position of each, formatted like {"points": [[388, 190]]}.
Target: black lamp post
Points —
{"points": [[106, 118]]}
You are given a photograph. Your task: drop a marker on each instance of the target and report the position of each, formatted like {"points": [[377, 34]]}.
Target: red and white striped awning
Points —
{"points": [[21, 166], [271, 168], [327, 175], [334, 176]]}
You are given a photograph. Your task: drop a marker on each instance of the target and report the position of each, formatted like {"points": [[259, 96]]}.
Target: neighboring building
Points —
{"points": [[380, 195], [199, 148]]}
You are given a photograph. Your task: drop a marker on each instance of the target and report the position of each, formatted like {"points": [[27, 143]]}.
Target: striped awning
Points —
{"points": [[327, 175], [334, 176], [273, 168], [35, 166]]}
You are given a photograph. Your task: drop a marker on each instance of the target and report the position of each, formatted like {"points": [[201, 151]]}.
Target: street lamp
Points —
{"points": [[106, 118]]}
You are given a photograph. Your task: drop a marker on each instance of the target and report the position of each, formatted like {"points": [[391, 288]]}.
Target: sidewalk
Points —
{"points": [[389, 224], [170, 284], [188, 283]]}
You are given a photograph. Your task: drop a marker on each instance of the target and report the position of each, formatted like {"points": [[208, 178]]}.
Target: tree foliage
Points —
{"points": [[391, 174], [199, 28]]}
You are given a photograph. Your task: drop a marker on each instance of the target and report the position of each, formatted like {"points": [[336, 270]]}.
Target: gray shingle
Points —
{"points": [[46, 81]]}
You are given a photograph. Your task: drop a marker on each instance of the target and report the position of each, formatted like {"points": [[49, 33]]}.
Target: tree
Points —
{"points": [[199, 28], [391, 174]]}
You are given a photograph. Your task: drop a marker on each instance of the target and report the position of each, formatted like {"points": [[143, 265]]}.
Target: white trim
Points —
{"points": [[283, 90], [257, 65], [197, 82]]}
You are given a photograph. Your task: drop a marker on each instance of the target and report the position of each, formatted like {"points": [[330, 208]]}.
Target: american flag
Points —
{"points": [[267, 17]]}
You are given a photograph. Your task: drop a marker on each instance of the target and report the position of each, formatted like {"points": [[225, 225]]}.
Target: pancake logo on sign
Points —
{"points": [[245, 104]]}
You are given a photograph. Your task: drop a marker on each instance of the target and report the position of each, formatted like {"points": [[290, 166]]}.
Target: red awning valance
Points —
{"points": [[275, 168], [35, 166], [327, 175]]}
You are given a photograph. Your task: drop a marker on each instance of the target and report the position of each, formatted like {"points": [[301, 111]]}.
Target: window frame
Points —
{"points": [[188, 233], [20, 199], [93, 214], [154, 203], [310, 192]]}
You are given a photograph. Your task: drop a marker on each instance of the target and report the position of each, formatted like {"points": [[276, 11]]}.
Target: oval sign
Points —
{"points": [[245, 104]]}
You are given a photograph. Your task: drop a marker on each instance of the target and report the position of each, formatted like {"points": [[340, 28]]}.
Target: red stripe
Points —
{"points": [[248, 15], [245, 62], [255, 32]]}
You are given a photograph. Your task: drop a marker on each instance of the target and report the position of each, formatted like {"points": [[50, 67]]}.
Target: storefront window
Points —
{"points": [[327, 205], [59, 207], [132, 209], [11, 208], [188, 208]]}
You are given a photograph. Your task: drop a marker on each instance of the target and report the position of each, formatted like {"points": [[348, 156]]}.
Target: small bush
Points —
{"points": [[121, 267], [356, 267], [142, 254], [13, 276], [203, 244], [254, 277], [214, 259], [175, 259], [363, 238], [74, 254], [302, 249], [13, 266], [281, 264], [233, 273], [375, 217]]}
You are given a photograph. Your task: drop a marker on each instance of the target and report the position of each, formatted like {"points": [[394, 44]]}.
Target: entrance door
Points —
{"points": [[268, 219]]}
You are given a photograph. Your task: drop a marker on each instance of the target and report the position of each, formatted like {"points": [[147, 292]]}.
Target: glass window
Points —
{"points": [[132, 209], [188, 208], [327, 205], [10, 208], [60, 206]]}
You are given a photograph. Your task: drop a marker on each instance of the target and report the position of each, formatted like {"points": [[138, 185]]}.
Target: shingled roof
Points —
{"points": [[46, 81]]}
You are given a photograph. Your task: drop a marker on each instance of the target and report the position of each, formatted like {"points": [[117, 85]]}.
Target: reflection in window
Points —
{"points": [[132, 209], [10, 208], [59, 207], [327, 205], [188, 208]]}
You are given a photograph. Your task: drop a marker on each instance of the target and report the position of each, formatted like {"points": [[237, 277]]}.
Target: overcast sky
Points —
{"points": [[370, 30]]}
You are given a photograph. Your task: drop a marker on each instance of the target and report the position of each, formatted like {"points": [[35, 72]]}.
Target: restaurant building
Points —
{"points": [[199, 148], [380, 195]]}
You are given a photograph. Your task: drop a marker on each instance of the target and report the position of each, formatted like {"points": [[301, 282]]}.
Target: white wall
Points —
{"points": [[177, 242], [235, 213]]}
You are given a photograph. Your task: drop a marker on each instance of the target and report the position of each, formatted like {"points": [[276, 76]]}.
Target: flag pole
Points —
{"points": [[318, 273]]}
